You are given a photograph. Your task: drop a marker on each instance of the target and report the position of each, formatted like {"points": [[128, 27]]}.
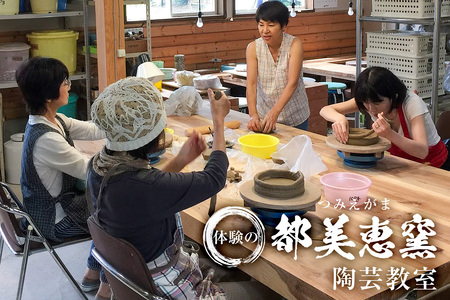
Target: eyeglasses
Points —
{"points": [[67, 82]]}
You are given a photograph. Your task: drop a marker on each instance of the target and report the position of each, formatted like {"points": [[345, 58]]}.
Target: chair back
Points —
{"points": [[443, 125], [9, 223], [124, 258]]}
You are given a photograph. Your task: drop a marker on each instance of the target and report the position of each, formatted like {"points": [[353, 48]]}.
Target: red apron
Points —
{"points": [[437, 154]]}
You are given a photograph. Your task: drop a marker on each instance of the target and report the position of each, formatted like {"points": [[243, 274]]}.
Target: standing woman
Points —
{"points": [[398, 115], [51, 166], [275, 88]]}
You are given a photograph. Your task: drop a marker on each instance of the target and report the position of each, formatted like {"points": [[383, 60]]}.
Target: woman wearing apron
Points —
{"points": [[398, 115]]}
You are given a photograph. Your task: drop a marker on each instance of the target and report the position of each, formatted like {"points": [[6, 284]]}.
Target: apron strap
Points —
{"points": [[403, 122]]}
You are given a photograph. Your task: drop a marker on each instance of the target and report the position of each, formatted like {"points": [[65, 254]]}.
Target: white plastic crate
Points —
{"points": [[406, 67], [423, 86], [403, 43], [408, 8]]}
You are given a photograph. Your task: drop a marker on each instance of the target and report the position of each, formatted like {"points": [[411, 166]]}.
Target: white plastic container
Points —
{"points": [[13, 158], [403, 43], [11, 56], [424, 86], [406, 67], [408, 8], [9, 7]]}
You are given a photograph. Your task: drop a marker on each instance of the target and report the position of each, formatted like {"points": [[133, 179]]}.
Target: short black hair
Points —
{"points": [[273, 11], [376, 82], [39, 80]]}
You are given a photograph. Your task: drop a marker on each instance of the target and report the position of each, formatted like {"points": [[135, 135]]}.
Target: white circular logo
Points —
{"points": [[211, 236]]}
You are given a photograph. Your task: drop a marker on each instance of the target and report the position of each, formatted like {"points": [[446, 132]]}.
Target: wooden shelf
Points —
{"points": [[13, 83]]}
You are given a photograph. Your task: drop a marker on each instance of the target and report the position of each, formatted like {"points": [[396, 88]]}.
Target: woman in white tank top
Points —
{"points": [[275, 88]]}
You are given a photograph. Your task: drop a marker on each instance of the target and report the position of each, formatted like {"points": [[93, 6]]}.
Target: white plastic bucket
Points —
{"points": [[59, 44], [9, 7], [11, 57], [44, 6], [13, 158]]}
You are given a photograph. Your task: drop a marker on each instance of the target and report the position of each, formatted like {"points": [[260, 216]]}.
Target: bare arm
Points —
{"points": [[295, 68], [417, 146], [252, 74], [335, 113], [195, 145]]}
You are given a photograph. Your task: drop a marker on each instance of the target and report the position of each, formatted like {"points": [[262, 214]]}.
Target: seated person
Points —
{"points": [[51, 166], [141, 204], [384, 96]]}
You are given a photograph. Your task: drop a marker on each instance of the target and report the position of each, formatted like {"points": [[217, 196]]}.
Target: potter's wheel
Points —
{"points": [[155, 157], [273, 193], [359, 156], [272, 217]]}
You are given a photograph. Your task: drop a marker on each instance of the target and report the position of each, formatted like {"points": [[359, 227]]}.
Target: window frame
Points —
{"points": [[220, 12], [309, 7]]}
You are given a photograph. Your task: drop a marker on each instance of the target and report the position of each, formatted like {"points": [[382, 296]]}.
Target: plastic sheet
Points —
{"points": [[184, 102], [299, 155]]}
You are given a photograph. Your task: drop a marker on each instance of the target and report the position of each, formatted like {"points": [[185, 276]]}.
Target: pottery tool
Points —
{"points": [[212, 205], [358, 156], [205, 129]]}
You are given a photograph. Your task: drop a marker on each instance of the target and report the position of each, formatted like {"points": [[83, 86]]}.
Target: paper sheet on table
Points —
{"points": [[299, 155]]}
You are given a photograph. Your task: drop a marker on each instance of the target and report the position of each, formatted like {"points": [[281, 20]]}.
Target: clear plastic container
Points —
{"points": [[11, 56], [349, 188]]}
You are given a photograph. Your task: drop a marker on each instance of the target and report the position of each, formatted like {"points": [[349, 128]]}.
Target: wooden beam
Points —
{"points": [[110, 38]]}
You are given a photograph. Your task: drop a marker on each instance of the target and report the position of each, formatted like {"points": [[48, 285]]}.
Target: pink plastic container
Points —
{"points": [[351, 188], [11, 56]]}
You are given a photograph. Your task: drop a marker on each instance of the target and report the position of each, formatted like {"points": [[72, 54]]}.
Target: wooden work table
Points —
{"points": [[411, 188], [317, 94], [331, 67]]}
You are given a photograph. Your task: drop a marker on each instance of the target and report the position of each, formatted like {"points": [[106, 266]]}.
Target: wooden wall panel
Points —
{"points": [[322, 34]]}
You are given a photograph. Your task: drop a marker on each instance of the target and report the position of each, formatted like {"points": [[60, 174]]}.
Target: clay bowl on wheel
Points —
{"points": [[362, 137]]}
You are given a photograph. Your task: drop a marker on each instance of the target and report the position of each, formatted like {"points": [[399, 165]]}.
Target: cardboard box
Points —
{"points": [[133, 46]]}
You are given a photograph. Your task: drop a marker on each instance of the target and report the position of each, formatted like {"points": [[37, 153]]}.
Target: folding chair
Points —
{"points": [[23, 244], [443, 125], [124, 266]]}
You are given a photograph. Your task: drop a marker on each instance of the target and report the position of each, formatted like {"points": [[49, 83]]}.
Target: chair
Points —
{"points": [[443, 125], [124, 266], [335, 90], [25, 244]]}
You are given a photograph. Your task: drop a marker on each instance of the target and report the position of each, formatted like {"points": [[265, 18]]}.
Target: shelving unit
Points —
{"points": [[149, 43], [75, 77], [436, 22]]}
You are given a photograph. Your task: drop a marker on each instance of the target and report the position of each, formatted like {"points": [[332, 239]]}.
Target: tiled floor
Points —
{"points": [[44, 279]]}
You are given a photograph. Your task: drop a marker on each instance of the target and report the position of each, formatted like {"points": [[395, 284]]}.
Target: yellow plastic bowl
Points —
{"points": [[258, 144], [169, 130]]}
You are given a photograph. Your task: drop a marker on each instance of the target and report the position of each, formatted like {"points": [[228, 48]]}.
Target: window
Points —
{"points": [[166, 9], [249, 6]]}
